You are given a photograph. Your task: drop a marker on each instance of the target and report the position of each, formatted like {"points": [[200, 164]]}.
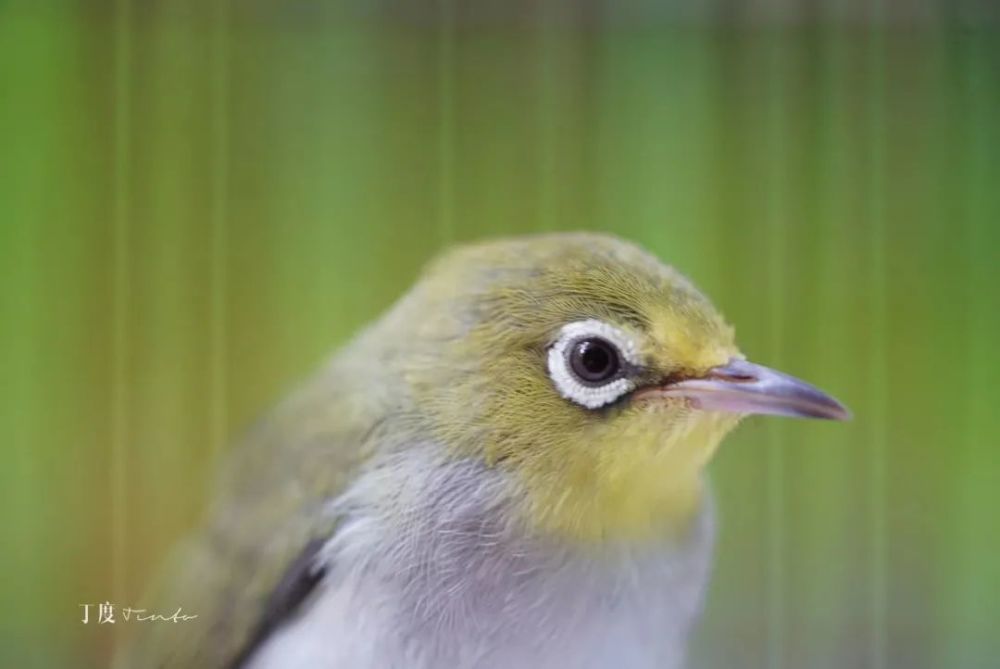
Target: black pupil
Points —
{"points": [[594, 360]]}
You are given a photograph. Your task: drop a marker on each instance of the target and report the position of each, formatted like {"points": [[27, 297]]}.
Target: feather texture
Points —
{"points": [[468, 515]]}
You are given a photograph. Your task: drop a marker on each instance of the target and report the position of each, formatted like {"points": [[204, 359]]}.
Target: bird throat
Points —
{"points": [[644, 486]]}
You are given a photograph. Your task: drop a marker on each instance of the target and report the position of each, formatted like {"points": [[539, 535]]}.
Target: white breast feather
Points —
{"points": [[447, 587]]}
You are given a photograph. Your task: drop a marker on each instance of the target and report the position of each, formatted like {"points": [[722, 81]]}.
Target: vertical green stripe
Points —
{"points": [[831, 523], [446, 121], [121, 284], [218, 318], [550, 26], [877, 413], [776, 154], [973, 573]]}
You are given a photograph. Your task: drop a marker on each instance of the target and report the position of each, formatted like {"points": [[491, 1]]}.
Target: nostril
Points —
{"points": [[737, 378], [735, 371]]}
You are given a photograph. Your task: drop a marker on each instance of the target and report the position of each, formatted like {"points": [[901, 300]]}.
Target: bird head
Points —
{"points": [[600, 380]]}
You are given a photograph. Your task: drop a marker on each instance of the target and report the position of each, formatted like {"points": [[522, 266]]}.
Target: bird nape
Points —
{"points": [[505, 470]]}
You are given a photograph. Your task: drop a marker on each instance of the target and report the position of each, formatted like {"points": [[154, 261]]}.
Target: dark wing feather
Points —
{"points": [[295, 586]]}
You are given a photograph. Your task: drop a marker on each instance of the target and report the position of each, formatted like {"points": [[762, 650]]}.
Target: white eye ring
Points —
{"points": [[567, 382]]}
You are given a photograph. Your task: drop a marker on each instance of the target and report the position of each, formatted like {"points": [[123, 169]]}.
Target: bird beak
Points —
{"points": [[743, 387]]}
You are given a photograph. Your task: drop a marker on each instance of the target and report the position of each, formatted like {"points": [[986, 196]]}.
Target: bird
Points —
{"points": [[505, 470]]}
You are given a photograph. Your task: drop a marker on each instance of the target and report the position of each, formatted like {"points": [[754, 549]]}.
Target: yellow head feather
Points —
{"points": [[630, 470]]}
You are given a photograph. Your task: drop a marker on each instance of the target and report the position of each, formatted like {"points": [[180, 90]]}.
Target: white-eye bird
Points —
{"points": [[505, 471]]}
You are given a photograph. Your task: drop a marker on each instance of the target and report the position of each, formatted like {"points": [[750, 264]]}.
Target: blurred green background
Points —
{"points": [[199, 199]]}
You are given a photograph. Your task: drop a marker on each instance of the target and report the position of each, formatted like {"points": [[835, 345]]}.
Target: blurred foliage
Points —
{"points": [[200, 199]]}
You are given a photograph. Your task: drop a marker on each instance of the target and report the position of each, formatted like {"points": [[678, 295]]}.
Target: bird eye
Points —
{"points": [[594, 360], [589, 363]]}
